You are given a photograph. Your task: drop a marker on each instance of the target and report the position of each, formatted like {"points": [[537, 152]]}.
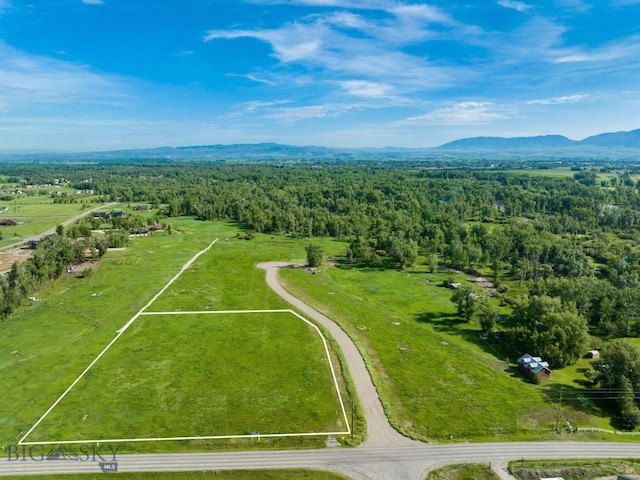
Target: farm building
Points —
{"points": [[593, 354], [9, 222], [533, 365]]}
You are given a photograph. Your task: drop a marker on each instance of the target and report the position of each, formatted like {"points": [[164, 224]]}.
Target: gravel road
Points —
{"points": [[380, 432]]}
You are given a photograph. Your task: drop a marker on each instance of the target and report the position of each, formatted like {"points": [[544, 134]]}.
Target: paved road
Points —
{"points": [[386, 455], [52, 230], [381, 463]]}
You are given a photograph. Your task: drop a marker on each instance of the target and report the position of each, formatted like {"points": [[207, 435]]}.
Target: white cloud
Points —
{"points": [[310, 111], [420, 12], [253, 78], [622, 48], [93, 2], [253, 106], [515, 5], [29, 79], [458, 114], [326, 46], [363, 88], [559, 100], [289, 43]]}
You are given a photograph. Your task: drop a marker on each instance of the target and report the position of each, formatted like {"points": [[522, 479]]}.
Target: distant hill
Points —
{"points": [[232, 152], [544, 142], [492, 143], [618, 139], [619, 145]]}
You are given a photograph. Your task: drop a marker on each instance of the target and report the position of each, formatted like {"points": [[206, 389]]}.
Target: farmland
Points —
{"points": [[76, 318], [392, 239]]}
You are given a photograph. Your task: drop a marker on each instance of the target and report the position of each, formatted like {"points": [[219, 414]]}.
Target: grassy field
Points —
{"points": [[430, 366], [558, 172], [203, 375], [567, 172], [36, 214], [466, 471], [47, 344], [213, 475], [583, 469]]}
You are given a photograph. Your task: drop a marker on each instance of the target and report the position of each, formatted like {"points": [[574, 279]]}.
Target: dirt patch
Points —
{"points": [[81, 267], [9, 257]]}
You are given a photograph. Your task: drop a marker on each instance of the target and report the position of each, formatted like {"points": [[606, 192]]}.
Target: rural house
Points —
{"points": [[10, 222], [533, 365]]}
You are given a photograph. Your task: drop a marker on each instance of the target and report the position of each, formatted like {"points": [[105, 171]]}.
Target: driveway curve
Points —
{"points": [[380, 432]]}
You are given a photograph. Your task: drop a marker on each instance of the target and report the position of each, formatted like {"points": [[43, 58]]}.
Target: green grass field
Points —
{"points": [[47, 344], [579, 469], [202, 375], [36, 214], [466, 471], [559, 172], [430, 366]]}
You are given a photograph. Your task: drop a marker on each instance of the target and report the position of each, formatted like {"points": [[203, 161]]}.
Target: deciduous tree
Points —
{"points": [[466, 301], [551, 329], [314, 255]]}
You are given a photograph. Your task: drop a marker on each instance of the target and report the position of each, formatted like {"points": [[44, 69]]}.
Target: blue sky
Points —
{"points": [[79, 75]]}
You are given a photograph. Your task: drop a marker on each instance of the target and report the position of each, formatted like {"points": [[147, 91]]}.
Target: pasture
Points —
{"points": [[36, 214], [430, 366], [47, 344], [202, 375]]}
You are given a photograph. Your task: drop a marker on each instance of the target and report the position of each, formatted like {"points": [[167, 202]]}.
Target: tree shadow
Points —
{"points": [[591, 402], [441, 321], [385, 264], [432, 317]]}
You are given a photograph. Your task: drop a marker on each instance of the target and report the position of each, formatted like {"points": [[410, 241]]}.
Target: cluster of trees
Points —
{"points": [[569, 241], [617, 371], [49, 261]]}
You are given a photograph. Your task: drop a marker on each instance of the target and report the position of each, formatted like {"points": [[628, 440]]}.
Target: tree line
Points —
{"points": [[570, 242]]}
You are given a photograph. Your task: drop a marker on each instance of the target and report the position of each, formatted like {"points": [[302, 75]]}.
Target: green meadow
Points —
{"points": [[202, 375], [466, 471], [46, 344], [437, 378], [439, 381], [578, 469], [37, 214]]}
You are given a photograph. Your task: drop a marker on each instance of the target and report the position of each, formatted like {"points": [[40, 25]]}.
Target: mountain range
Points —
{"points": [[618, 145], [617, 140]]}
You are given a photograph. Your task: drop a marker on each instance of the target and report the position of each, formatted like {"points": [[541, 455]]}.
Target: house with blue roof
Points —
{"points": [[530, 365]]}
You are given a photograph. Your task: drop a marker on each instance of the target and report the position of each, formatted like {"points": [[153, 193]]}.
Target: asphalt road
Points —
{"points": [[52, 230], [381, 463], [386, 455]]}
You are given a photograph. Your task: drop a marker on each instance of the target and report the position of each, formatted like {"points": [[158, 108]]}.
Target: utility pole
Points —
{"points": [[559, 410], [353, 426]]}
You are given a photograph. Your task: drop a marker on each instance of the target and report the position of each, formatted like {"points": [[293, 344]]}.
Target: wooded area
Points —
{"points": [[567, 245]]}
